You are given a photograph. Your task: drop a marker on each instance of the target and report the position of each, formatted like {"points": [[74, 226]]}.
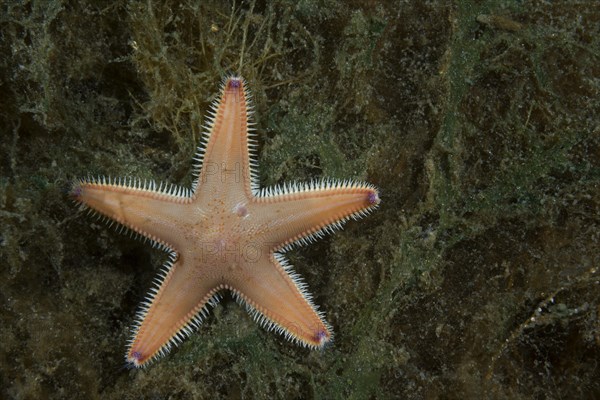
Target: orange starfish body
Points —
{"points": [[226, 233]]}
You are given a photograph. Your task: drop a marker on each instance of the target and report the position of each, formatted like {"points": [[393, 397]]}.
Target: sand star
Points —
{"points": [[226, 233]]}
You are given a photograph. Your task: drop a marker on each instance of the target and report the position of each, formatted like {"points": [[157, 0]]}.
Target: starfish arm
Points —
{"points": [[300, 213], [154, 213], [224, 161], [278, 300], [172, 311]]}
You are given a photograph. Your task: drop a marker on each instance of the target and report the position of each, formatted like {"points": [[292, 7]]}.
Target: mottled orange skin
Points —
{"points": [[225, 235]]}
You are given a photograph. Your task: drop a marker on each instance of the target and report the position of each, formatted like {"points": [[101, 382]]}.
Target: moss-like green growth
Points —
{"points": [[479, 122]]}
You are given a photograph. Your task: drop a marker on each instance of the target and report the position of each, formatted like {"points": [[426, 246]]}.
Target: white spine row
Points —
{"points": [[177, 193]]}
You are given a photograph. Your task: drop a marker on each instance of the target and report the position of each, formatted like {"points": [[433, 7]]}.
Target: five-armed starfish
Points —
{"points": [[226, 233]]}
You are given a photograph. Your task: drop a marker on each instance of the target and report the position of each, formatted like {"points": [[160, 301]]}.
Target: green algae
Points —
{"points": [[479, 123]]}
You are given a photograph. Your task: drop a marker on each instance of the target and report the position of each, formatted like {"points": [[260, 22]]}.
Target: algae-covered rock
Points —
{"points": [[478, 121]]}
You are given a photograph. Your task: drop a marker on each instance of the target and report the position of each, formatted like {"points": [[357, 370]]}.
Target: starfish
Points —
{"points": [[225, 233]]}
